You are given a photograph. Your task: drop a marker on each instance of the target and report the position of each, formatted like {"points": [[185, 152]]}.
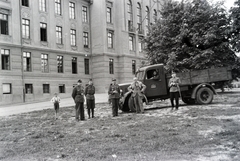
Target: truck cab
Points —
{"points": [[154, 77]]}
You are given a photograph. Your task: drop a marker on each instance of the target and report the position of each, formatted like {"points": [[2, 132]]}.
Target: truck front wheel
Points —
{"points": [[204, 95], [188, 100]]}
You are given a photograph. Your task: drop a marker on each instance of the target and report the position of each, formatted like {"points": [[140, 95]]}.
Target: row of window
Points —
{"points": [[58, 8], [140, 18], [27, 63], [7, 88]]}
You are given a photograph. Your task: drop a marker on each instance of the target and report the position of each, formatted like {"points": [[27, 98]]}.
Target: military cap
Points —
{"points": [[113, 79], [79, 81]]}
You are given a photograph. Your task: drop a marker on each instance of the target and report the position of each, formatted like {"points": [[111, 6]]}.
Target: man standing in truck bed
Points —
{"points": [[174, 90]]}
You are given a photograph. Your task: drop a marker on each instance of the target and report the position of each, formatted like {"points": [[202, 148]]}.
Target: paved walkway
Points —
{"points": [[28, 107]]}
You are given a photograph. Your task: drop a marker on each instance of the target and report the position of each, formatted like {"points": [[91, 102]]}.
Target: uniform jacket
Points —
{"points": [[78, 94], [137, 88], [89, 92], [174, 84], [112, 88]]}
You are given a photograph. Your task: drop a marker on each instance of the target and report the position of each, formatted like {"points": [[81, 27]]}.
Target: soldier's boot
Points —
{"points": [[92, 113], [89, 113]]}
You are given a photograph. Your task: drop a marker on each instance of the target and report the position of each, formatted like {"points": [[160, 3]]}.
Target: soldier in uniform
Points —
{"points": [[78, 97], [89, 93], [174, 90], [137, 89], [114, 94]]}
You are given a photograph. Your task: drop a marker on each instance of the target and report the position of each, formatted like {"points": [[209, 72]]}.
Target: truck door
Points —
{"points": [[155, 82]]}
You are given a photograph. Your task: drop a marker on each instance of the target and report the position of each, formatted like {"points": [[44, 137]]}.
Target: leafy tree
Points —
{"points": [[190, 36], [235, 24]]}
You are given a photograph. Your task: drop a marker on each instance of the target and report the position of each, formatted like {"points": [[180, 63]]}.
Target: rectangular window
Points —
{"points": [[84, 13], [4, 24], [111, 66], [86, 66], [131, 47], [25, 3], [43, 31], [46, 88], [109, 15], [85, 39], [71, 10], [26, 61], [60, 64], [110, 39], [26, 28], [58, 35], [58, 7], [7, 88], [29, 88], [133, 66], [74, 65], [61, 88], [42, 5], [44, 62], [140, 44], [5, 55], [73, 37]]}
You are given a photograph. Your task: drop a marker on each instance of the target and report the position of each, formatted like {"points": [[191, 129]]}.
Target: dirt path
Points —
{"points": [[197, 133]]}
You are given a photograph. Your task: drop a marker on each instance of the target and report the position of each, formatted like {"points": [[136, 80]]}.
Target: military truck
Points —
{"points": [[196, 86]]}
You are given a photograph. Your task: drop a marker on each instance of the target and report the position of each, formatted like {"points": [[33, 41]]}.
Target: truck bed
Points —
{"points": [[205, 76]]}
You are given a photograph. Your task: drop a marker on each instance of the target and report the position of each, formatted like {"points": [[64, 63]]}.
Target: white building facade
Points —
{"points": [[47, 45]]}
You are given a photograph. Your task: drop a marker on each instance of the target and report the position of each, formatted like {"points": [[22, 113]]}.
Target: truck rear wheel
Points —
{"points": [[204, 95]]}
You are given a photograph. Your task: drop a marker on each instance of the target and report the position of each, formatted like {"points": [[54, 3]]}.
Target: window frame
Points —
{"points": [[26, 28], [84, 14], [30, 87], [10, 88], [109, 15], [139, 17], [4, 24], [25, 3], [27, 63], [85, 40], [86, 66], [110, 38], [61, 88], [74, 65], [133, 67], [73, 37], [111, 66], [43, 32], [5, 59], [44, 63], [46, 88], [72, 10], [131, 43], [59, 39], [60, 64], [58, 7], [42, 6]]}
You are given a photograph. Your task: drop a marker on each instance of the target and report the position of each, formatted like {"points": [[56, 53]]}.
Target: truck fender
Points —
{"points": [[125, 104], [124, 101], [193, 96]]}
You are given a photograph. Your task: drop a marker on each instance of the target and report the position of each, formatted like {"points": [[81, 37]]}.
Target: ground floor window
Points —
{"points": [[7, 88], [46, 88], [29, 88], [61, 88]]}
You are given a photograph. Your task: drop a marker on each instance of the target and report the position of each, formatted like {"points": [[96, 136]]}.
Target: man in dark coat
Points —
{"points": [[89, 93], [173, 84], [114, 94], [78, 97]]}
